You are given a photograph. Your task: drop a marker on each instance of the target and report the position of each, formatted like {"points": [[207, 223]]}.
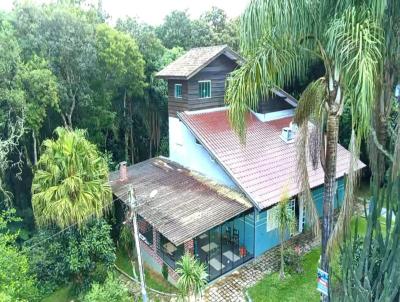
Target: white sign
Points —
{"points": [[322, 282]]}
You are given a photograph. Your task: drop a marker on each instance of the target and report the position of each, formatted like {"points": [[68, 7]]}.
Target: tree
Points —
{"points": [[176, 30], [192, 277], [67, 38], [387, 14], [280, 40], [151, 108], [370, 264], [111, 290], [71, 181], [81, 256], [123, 68], [285, 220], [41, 92], [16, 281], [224, 30], [12, 100]]}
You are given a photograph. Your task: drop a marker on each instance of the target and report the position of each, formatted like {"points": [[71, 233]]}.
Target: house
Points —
{"points": [[214, 197]]}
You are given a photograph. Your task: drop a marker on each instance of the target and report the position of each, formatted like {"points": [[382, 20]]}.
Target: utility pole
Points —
{"points": [[133, 206]]}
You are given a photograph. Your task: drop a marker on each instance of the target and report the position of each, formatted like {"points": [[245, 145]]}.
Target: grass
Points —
{"points": [[295, 287], [153, 279], [63, 294]]}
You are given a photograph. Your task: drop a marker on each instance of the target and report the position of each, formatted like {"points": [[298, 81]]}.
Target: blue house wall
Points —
{"points": [[266, 240]]}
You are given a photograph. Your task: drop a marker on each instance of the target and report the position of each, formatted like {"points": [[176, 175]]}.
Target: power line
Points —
{"points": [[70, 226]]}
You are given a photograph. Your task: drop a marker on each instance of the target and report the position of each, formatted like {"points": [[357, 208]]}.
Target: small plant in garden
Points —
{"points": [[292, 259], [192, 277], [164, 271], [286, 222]]}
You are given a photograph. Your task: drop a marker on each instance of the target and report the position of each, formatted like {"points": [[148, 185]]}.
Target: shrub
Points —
{"points": [[164, 271], [80, 256], [293, 261], [112, 290]]}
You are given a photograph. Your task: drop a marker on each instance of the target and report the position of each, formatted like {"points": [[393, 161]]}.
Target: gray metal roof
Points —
{"points": [[183, 205], [196, 59]]}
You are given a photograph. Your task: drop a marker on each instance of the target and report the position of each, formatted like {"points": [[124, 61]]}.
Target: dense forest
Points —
{"points": [[78, 95], [74, 86], [62, 65]]}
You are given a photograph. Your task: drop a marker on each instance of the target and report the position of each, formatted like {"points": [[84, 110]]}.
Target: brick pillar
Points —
{"points": [[189, 247]]}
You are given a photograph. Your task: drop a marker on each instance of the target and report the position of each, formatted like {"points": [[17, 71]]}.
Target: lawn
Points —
{"points": [[295, 287], [153, 279]]}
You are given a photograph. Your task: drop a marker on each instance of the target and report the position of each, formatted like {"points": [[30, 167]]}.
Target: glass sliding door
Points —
{"points": [[226, 246], [214, 252]]}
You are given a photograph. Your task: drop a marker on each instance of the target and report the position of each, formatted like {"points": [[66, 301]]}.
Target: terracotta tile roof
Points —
{"points": [[194, 60], [185, 206], [262, 167]]}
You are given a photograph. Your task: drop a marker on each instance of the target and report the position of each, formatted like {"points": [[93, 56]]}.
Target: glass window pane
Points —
{"points": [[205, 89], [214, 253], [178, 90]]}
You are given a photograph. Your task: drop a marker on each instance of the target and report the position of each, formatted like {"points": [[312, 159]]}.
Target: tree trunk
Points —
{"points": [[329, 186], [131, 134], [282, 271], [382, 113], [35, 154], [126, 137]]}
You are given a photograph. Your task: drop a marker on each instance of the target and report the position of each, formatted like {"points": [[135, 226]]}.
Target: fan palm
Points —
{"points": [[71, 181], [192, 276], [280, 39]]}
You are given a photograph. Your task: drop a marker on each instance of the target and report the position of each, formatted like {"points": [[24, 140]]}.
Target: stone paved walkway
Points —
{"points": [[232, 287]]}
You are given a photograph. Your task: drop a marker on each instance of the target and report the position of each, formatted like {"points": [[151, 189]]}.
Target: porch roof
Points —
{"points": [[179, 203]]}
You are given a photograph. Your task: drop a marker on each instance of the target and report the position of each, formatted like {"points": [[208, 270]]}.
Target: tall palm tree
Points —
{"points": [[71, 181], [280, 39], [192, 277], [387, 14]]}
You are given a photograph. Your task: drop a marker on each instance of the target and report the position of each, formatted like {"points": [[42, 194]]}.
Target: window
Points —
{"points": [[272, 222], [204, 89], [145, 230], [169, 252], [178, 91], [272, 219]]}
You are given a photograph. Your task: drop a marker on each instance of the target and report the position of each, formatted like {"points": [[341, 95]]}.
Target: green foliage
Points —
{"points": [[295, 287], [16, 281], [192, 276], [285, 219], [71, 182], [11, 103], [164, 271], [40, 86], [111, 290], [175, 30], [293, 261], [78, 256]]}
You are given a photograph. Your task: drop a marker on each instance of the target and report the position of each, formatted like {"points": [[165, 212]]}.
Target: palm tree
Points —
{"points": [[192, 277], [280, 39], [388, 16], [71, 181], [285, 220]]}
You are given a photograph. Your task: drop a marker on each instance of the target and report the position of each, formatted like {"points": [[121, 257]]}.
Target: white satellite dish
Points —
{"points": [[153, 193]]}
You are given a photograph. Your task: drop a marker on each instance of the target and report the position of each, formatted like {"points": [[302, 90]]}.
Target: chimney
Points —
{"points": [[123, 173]]}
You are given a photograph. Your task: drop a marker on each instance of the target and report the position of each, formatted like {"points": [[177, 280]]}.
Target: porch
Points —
{"points": [[184, 212]]}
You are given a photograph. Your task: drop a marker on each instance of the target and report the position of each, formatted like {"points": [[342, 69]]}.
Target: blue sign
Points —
{"points": [[322, 282]]}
